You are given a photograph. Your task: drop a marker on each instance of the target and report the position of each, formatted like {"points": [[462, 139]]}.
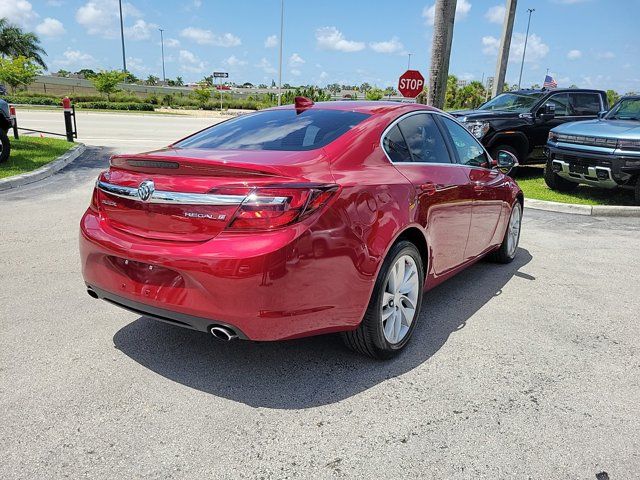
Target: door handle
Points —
{"points": [[428, 188], [478, 187]]}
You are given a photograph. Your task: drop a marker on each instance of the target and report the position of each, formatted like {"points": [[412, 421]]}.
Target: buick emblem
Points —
{"points": [[146, 189]]}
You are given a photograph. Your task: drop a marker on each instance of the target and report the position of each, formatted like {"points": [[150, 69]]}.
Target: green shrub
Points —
{"points": [[27, 100], [104, 105]]}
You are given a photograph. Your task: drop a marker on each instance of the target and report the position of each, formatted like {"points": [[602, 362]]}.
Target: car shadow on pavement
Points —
{"points": [[312, 371]]}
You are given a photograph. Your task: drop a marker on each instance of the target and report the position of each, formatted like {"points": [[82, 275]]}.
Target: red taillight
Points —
{"points": [[94, 200], [266, 208]]}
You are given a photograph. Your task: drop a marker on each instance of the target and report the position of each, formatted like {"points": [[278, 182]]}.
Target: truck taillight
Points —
{"points": [[267, 208]]}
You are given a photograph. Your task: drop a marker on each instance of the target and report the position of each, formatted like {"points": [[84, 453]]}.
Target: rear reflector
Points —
{"points": [[266, 208]]}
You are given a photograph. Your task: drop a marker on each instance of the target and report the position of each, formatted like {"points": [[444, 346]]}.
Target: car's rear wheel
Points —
{"points": [[5, 147], [509, 246], [637, 190], [556, 182], [394, 307]]}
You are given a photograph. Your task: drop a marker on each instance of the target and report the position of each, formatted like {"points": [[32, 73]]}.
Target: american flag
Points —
{"points": [[549, 82]]}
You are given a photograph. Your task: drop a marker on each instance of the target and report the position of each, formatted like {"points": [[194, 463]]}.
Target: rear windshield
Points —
{"points": [[277, 130]]}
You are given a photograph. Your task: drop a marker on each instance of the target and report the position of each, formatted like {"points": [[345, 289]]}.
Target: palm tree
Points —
{"points": [[445, 12], [15, 42]]}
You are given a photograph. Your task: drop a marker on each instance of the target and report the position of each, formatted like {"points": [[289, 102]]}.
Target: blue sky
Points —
{"points": [[590, 43]]}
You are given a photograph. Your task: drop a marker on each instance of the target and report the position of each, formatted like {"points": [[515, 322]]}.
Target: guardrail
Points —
{"points": [[70, 125]]}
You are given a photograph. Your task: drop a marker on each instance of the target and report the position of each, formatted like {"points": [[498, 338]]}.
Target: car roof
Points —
{"points": [[363, 106], [630, 97]]}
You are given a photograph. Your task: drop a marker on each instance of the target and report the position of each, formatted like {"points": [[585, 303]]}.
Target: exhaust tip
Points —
{"points": [[91, 293], [223, 333]]}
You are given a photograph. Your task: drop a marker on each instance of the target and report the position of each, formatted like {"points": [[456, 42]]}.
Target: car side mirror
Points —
{"points": [[506, 161], [602, 114], [547, 112]]}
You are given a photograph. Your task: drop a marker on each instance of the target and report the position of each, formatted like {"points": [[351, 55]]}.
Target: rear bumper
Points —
{"points": [[271, 286], [167, 316]]}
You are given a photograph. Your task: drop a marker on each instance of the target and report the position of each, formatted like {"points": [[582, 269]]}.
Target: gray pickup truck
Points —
{"points": [[604, 153], [5, 125]]}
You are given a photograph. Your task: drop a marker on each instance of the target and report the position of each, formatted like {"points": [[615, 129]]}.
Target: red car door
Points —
{"points": [[418, 150], [487, 187]]}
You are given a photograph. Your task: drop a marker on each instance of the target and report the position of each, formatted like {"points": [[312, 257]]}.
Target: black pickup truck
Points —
{"points": [[520, 121]]}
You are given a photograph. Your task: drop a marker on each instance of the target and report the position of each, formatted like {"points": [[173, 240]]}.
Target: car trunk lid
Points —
{"points": [[190, 195]]}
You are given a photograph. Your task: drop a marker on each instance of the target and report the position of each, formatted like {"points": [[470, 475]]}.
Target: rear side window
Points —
{"points": [[277, 130], [395, 146], [585, 103], [416, 138]]}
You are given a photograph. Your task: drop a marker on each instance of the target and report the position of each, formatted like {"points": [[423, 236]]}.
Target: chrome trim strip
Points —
{"points": [[590, 179], [182, 198], [452, 163]]}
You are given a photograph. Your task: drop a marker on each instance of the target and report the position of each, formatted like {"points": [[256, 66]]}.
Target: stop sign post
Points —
{"points": [[411, 83]]}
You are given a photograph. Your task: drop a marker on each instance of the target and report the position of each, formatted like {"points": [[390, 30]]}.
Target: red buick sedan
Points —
{"points": [[300, 220]]}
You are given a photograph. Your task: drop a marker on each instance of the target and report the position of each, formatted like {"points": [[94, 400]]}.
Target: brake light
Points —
{"points": [[267, 208], [94, 200]]}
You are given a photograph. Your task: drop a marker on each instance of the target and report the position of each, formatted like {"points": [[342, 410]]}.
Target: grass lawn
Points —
{"points": [[30, 153], [532, 184]]}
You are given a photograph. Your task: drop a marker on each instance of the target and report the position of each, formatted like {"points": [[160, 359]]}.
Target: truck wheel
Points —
{"points": [[637, 190], [494, 154], [556, 182], [5, 147]]}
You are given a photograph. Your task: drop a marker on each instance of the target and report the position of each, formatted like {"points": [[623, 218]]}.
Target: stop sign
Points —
{"points": [[411, 83]]}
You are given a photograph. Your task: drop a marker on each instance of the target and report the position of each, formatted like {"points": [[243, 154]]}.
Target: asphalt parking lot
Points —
{"points": [[527, 370]]}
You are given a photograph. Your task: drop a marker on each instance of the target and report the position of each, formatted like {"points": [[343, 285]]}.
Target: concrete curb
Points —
{"points": [[44, 171], [591, 210]]}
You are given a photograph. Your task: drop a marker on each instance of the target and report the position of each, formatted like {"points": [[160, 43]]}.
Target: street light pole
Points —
{"points": [[164, 77], [409, 62], [280, 57], [124, 57], [524, 51]]}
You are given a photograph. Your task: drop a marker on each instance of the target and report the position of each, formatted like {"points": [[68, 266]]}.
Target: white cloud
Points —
{"points": [[536, 48], [266, 66], [140, 30], [74, 58], [271, 41], [490, 45], [190, 62], [234, 61], [55, 3], [574, 54], [496, 14], [390, 46], [207, 37], [50, 27], [606, 55], [462, 10], [197, 3], [324, 75], [296, 60], [102, 17], [330, 38], [17, 11], [172, 43], [295, 72], [137, 66]]}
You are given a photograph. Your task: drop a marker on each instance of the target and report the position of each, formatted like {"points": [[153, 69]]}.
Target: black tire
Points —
{"points": [[505, 254], [637, 191], [5, 146], [510, 149], [369, 338], [556, 182]]}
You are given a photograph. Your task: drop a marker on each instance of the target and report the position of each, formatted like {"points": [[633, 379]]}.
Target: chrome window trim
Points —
{"points": [[183, 198], [402, 117]]}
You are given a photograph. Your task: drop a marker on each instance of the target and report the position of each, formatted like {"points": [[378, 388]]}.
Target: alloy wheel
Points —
{"points": [[513, 234], [399, 300]]}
